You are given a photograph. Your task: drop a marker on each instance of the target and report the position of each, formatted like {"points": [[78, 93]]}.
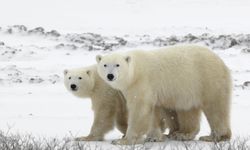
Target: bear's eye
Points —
{"points": [[117, 65], [105, 65], [69, 78], [80, 78]]}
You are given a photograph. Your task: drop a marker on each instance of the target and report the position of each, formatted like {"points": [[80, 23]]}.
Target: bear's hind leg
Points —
{"points": [[171, 121], [218, 118], [158, 125], [121, 116], [121, 124], [189, 124]]}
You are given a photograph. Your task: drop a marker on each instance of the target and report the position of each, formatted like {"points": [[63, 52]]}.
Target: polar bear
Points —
{"points": [[186, 78], [108, 104]]}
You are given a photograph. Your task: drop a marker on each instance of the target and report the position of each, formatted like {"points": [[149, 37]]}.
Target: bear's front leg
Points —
{"points": [[140, 114], [104, 116]]}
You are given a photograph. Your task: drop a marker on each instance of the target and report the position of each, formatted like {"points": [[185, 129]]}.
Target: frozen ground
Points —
{"points": [[33, 97]]}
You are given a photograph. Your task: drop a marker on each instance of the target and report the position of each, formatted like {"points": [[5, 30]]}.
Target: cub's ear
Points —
{"points": [[128, 59], [98, 58], [88, 72], [65, 71]]}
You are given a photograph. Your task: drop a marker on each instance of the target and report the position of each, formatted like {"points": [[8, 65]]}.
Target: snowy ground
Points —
{"points": [[33, 98]]}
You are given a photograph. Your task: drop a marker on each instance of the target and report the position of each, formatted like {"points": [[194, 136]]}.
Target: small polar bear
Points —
{"points": [[109, 105], [186, 78]]}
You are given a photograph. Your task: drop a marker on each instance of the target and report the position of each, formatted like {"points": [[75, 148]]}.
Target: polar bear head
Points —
{"points": [[79, 82], [115, 69]]}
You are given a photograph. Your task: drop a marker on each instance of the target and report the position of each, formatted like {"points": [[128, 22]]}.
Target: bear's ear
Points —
{"points": [[98, 58], [65, 71], [128, 59], [88, 72]]}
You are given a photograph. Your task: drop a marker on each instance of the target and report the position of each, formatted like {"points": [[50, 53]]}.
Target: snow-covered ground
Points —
{"points": [[64, 34]]}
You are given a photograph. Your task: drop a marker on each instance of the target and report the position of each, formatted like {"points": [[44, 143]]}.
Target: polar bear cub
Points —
{"points": [[185, 78], [109, 105]]}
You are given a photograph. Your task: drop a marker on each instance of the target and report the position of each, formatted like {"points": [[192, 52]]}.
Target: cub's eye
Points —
{"points": [[80, 78], [69, 78], [105, 65], [117, 65]]}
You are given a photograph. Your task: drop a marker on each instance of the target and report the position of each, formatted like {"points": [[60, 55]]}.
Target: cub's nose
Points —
{"points": [[110, 77], [73, 86]]}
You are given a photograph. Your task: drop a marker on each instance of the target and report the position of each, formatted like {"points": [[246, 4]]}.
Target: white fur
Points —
{"points": [[186, 78], [108, 104]]}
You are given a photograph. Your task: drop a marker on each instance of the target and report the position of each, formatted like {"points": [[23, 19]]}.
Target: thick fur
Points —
{"points": [[109, 105], [186, 78]]}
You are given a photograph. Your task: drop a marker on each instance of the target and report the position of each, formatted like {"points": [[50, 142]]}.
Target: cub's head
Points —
{"points": [[79, 82], [114, 69]]}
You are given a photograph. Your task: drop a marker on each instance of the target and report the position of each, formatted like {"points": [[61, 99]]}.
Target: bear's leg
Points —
{"points": [[121, 118], [103, 123], [140, 106], [158, 125], [122, 123], [171, 121], [218, 118], [189, 124]]}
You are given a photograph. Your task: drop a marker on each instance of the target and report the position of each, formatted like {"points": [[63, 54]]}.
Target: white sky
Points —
{"points": [[72, 15]]}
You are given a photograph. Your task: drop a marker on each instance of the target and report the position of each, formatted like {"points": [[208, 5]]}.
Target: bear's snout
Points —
{"points": [[110, 77], [73, 87]]}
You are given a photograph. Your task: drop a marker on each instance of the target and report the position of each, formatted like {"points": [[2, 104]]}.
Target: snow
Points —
{"points": [[33, 97]]}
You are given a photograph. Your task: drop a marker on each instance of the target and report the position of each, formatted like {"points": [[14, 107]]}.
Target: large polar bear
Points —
{"points": [[108, 104], [186, 78]]}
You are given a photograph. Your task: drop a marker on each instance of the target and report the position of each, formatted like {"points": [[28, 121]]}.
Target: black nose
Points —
{"points": [[110, 77], [73, 86]]}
